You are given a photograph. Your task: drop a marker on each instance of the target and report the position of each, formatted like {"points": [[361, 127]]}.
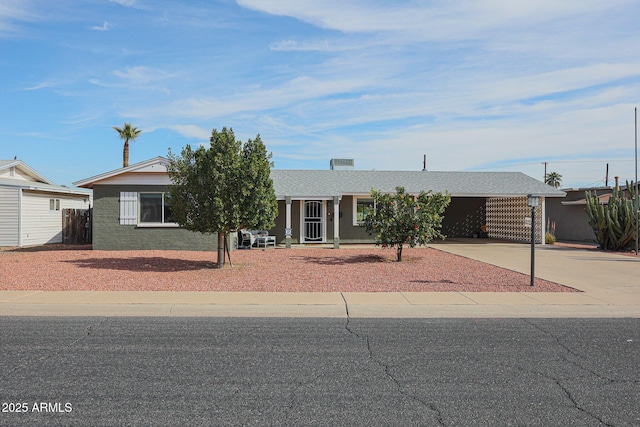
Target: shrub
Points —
{"points": [[549, 239], [402, 219]]}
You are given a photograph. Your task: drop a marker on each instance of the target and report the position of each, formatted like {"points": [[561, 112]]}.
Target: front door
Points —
{"points": [[313, 226]]}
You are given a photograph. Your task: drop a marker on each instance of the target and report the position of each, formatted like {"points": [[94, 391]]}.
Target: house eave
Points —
{"points": [[30, 171], [90, 182], [58, 190], [45, 188], [457, 195]]}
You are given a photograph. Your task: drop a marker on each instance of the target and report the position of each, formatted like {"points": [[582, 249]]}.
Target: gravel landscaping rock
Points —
{"points": [[366, 269]]}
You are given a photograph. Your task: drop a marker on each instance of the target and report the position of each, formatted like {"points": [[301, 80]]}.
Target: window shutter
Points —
{"points": [[128, 208]]}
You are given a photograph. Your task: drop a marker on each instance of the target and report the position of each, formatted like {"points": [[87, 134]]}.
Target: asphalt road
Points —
{"points": [[360, 372]]}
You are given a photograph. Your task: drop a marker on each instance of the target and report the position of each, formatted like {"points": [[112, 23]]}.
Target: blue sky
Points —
{"points": [[473, 84]]}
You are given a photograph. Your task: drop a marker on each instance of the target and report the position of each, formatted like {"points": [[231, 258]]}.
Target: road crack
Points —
{"points": [[568, 394], [300, 385], [578, 356], [558, 381], [387, 370]]}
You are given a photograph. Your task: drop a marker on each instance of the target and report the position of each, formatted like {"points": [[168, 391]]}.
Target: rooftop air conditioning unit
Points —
{"points": [[341, 164]]}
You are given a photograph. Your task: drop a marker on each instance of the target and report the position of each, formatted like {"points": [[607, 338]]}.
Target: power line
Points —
{"points": [[589, 161], [550, 162]]}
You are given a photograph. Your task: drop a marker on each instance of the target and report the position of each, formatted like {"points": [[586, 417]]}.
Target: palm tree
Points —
{"points": [[554, 179], [128, 133]]}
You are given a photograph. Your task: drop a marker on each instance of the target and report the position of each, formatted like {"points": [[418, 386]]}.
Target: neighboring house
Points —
{"points": [[31, 205], [570, 216], [315, 206]]}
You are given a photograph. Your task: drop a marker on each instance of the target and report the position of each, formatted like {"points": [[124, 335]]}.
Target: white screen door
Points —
{"points": [[313, 221]]}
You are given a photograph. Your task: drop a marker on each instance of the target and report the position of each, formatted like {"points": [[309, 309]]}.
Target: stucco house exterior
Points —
{"points": [[130, 211], [315, 206], [569, 215], [327, 205], [31, 206]]}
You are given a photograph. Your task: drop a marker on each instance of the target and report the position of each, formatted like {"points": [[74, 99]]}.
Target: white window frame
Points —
{"points": [[141, 224], [355, 209], [54, 204], [130, 211]]}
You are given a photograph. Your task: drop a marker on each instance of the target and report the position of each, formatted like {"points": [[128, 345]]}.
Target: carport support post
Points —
{"points": [[336, 222], [287, 233]]}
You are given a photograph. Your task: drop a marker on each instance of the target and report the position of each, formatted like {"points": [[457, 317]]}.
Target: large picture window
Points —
{"points": [[362, 207], [155, 208]]}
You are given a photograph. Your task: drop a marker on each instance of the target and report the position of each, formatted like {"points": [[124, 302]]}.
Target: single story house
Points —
{"points": [[569, 215], [31, 205], [130, 211], [315, 206], [328, 205]]}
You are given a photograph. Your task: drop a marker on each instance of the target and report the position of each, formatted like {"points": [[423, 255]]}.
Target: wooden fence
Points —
{"points": [[76, 226]]}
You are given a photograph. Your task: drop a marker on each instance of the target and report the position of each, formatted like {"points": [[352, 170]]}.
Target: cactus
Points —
{"points": [[613, 223]]}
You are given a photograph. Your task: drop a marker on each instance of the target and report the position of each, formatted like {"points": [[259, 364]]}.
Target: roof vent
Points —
{"points": [[341, 164]]}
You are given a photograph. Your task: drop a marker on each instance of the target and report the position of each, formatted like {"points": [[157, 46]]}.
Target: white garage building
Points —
{"points": [[31, 206]]}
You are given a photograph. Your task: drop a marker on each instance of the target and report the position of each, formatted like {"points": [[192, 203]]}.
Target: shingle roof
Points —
{"points": [[323, 183], [329, 183]]}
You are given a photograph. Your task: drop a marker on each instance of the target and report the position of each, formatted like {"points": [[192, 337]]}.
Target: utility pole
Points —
{"points": [[636, 201], [545, 172]]}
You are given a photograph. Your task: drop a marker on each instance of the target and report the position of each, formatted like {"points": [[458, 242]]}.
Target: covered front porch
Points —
{"points": [[334, 220], [313, 221]]}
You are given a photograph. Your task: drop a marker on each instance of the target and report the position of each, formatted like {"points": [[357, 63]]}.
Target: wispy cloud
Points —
{"points": [[126, 3], [80, 119], [46, 84], [142, 75], [192, 131], [324, 45], [252, 99], [436, 20], [104, 27], [13, 12]]}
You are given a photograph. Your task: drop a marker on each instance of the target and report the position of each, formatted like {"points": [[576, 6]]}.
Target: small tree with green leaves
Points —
{"points": [[223, 188], [401, 219]]}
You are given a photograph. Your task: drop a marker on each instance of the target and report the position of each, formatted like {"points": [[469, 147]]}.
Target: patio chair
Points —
{"points": [[248, 239], [263, 240]]}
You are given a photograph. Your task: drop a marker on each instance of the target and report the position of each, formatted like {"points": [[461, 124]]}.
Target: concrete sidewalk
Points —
{"points": [[610, 285]]}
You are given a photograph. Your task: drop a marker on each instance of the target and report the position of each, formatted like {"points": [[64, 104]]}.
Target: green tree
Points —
{"points": [[401, 219], [223, 188], [553, 179], [127, 133]]}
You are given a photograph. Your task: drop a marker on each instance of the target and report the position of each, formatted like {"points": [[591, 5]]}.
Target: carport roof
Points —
{"points": [[307, 184]]}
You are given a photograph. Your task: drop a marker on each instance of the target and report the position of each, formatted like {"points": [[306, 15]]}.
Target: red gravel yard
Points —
{"points": [[296, 270]]}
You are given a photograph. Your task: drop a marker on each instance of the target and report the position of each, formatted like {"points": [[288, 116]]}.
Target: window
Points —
{"points": [[54, 204], [362, 207], [154, 208]]}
